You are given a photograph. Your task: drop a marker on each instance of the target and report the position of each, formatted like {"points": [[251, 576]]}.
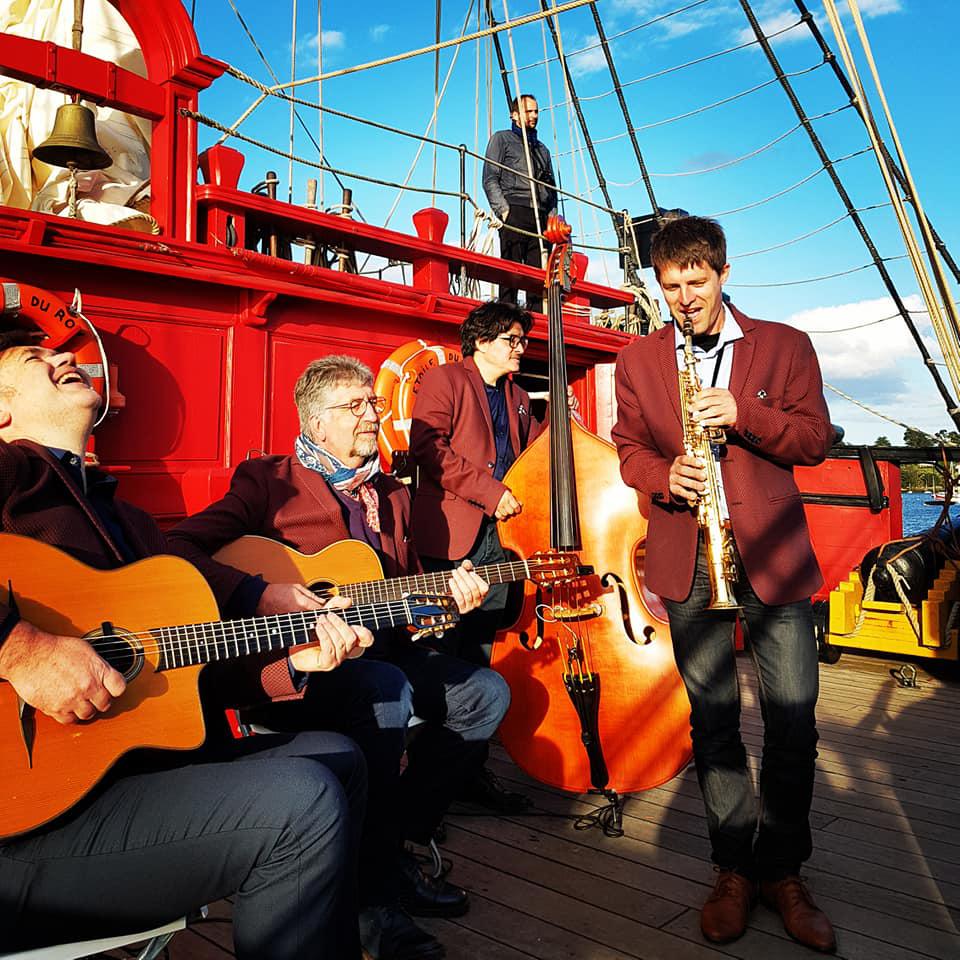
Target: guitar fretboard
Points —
{"points": [[198, 643], [371, 591]]}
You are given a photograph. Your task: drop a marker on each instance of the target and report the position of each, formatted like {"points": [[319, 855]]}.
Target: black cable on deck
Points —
{"points": [[951, 404], [830, 58]]}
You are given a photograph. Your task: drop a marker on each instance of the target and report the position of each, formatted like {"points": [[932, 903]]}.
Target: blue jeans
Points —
{"points": [[774, 840]]}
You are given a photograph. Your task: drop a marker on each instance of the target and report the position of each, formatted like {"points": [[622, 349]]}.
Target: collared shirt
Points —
{"points": [[99, 489], [714, 367], [497, 399]]}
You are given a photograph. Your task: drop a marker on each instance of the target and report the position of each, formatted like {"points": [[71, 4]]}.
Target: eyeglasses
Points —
{"points": [[359, 406], [514, 340]]}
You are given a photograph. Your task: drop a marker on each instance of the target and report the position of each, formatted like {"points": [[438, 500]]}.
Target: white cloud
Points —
{"points": [[775, 24], [590, 61], [379, 31], [866, 351], [773, 17], [878, 365]]}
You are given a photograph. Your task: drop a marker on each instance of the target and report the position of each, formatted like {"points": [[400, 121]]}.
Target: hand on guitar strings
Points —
{"points": [[336, 641], [62, 677], [285, 598], [466, 588]]}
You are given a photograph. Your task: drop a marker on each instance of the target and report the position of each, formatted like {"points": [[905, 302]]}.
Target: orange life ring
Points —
{"points": [[399, 382], [66, 328]]}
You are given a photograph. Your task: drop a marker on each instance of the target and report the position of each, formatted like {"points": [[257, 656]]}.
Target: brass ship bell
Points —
{"points": [[73, 142]]}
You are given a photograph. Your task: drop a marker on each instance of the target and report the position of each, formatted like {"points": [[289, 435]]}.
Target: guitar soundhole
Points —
{"points": [[324, 589], [121, 649]]}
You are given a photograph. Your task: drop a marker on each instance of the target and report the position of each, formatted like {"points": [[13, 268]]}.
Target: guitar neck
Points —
{"points": [[434, 583], [192, 644]]}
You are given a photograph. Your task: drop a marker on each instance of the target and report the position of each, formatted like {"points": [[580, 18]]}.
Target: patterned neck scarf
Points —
{"points": [[356, 483]]}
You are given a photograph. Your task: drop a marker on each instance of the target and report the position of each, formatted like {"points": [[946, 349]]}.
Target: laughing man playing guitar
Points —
{"points": [[161, 834]]}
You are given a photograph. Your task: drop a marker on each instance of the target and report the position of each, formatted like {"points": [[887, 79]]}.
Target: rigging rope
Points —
{"points": [[774, 62], [396, 58], [943, 316], [615, 36], [791, 188], [828, 276], [875, 412]]}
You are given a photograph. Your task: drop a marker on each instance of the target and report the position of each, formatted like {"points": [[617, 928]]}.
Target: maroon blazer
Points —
{"points": [[279, 498], [782, 422], [451, 441], [40, 500]]}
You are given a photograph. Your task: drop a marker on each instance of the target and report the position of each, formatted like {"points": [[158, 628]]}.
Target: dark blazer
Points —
{"points": [[782, 422], [279, 498], [40, 500], [451, 441]]}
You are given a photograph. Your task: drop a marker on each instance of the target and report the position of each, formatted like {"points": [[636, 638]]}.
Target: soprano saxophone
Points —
{"points": [[698, 442]]}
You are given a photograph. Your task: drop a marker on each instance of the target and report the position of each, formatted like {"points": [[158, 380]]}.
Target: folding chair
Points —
{"points": [[157, 939]]}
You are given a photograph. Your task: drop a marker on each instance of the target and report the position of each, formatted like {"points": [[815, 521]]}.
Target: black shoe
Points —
{"points": [[387, 933], [486, 790], [424, 896]]}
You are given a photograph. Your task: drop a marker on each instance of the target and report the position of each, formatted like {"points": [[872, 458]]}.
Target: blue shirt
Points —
{"points": [[497, 399]]}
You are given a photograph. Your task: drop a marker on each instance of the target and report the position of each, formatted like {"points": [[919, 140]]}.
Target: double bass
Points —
{"points": [[597, 702]]}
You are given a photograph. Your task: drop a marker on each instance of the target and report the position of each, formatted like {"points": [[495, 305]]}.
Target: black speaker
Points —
{"points": [[644, 228]]}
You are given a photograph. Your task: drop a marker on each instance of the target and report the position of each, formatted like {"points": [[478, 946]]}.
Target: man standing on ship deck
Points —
{"points": [[520, 158], [762, 386]]}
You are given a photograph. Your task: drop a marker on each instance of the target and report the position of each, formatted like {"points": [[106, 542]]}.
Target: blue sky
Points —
{"points": [[914, 45]]}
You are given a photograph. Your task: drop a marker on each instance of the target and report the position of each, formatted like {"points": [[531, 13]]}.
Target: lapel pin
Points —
{"points": [[761, 394]]}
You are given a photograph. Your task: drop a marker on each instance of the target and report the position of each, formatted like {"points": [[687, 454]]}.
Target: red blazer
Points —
{"points": [[279, 498], [782, 422], [38, 499], [451, 440]]}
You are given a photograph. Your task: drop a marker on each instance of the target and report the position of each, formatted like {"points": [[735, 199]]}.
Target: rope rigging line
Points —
{"points": [[272, 72], [827, 276], [210, 122], [817, 144], [396, 58], [704, 109], [736, 160], [780, 193], [806, 236], [690, 63], [875, 412], [614, 36], [814, 28], [246, 78], [943, 315]]}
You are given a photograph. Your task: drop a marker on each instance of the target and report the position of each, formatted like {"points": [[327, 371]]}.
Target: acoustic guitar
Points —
{"points": [[351, 568], [125, 614]]}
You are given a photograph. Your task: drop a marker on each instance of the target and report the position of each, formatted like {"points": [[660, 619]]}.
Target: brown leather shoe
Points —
{"points": [[724, 916], [802, 918]]}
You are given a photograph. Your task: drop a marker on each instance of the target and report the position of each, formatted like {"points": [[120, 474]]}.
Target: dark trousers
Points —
{"points": [[372, 699], [472, 638], [775, 840], [461, 705], [521, 248], [277, 828]]}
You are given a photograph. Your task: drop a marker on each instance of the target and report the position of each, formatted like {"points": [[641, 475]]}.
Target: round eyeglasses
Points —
{"points": [[359, 406]]}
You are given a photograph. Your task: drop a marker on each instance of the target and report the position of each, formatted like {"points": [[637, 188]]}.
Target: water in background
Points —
{"points": [[918, 516]]}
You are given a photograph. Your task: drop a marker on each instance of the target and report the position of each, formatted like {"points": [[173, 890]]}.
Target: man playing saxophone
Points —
{"points": [[713, 413]]}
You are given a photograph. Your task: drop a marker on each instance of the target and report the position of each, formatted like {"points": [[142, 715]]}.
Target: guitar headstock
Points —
{"points": [[551, 567], [431, 616]]}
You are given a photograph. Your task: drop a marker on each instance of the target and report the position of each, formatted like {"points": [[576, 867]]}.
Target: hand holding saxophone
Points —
{"points": [[714, 407]]}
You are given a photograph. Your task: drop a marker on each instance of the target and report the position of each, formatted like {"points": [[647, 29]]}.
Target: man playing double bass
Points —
{"points": [[761, 385]]}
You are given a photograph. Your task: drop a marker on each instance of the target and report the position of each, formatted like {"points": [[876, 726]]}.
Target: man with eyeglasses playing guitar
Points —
{"points": [[273, 823], [329, 491]]}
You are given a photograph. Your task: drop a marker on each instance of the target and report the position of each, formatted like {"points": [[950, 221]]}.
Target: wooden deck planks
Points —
{"points": [[886, 863]]}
